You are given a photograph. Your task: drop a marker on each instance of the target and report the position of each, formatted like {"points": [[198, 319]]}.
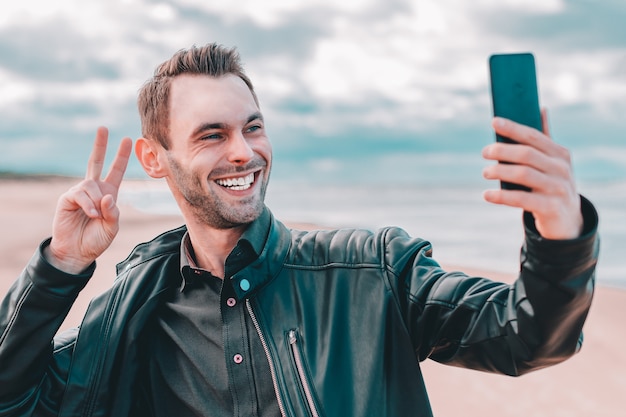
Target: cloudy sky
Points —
{"points": [[344, 85]]}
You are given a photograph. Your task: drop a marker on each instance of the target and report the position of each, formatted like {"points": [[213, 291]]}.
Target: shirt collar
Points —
{"points": [[250, 245], [256, 233]]}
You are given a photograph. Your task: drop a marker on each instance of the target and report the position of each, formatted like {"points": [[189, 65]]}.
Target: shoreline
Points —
{"points": [[590, 384]]}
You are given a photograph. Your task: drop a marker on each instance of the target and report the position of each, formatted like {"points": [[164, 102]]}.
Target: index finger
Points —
{"points": [[96, 159], [526, 135], [118, 167]]}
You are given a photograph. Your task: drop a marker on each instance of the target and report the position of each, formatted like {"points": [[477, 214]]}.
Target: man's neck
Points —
{"points": [[212, 246]]}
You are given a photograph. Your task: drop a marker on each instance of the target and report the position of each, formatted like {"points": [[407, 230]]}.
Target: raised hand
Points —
{"points": [[542, 165], [87, 217]]}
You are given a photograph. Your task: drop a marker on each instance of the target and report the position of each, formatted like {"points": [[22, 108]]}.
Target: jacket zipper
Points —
{"points": [[297, 356], [281, 406]]}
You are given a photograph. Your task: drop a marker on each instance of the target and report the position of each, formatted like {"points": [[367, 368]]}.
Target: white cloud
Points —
{"points": [[14, 91], [89, 15], [33, 12], [387, 58], [419, 59], [535, 6], [594, 78], [567, 87], [163, 11], [273, 12]]}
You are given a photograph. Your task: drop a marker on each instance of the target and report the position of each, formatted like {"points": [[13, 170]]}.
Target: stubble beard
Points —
{"points": [[208, 207]]}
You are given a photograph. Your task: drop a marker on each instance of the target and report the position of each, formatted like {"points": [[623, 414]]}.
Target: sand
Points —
{"points": [[593, 383]]}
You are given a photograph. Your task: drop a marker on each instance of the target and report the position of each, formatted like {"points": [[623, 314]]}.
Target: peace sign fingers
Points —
{"points": [[98, 153], [87, 217]]}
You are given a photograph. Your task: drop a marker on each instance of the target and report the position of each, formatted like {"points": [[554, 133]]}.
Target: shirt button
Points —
{"points": [[237, 359], [244, 284], [231, 302]]}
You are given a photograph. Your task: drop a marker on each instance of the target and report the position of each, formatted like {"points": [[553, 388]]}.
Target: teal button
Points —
{"points": [[244, 284]]}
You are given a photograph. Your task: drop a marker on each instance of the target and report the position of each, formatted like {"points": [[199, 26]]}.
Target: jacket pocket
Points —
{"points": [[307, 388]]}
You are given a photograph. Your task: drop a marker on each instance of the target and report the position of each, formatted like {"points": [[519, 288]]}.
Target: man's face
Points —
{"points": [[220, 156]]}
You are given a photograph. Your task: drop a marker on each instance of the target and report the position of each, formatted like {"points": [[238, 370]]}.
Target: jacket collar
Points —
{"points": [[271, 241]]}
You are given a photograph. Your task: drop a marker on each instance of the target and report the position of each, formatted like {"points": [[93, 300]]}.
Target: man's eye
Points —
{"points": [[211, 136], [254, 128]]}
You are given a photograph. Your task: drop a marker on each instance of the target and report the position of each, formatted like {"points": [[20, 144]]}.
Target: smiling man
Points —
{"points": [[216, 160], [233, 314]]}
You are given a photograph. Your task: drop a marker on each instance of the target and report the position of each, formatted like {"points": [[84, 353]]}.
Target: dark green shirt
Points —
{"points": [[204, 356]]}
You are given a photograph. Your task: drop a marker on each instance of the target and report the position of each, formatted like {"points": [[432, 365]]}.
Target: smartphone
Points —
{"points": [[515, 95]]}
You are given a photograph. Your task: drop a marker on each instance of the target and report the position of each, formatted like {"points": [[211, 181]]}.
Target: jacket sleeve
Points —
{"points": [[512, 329], [33, 364]]}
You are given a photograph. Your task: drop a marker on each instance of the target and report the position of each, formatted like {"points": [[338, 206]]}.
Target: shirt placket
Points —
{"points": [[237, 352]]}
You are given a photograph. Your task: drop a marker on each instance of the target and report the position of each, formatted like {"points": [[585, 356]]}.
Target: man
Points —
{"points": [[234, 314]]}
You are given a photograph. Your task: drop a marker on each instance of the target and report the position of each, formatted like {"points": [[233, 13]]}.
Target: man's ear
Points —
{"points": [[149, 154]]}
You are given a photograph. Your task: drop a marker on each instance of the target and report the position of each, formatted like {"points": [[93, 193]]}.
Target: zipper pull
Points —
{"points": [[292, 337]]}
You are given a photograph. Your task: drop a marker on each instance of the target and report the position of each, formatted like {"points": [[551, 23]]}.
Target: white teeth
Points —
{"points": [[237, 184]]}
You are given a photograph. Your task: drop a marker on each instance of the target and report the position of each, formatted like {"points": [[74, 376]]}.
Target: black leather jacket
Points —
{"points": [[345, 318]]}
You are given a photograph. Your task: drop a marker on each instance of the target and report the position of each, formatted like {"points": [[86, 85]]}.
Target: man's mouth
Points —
{"points": [[237, 183]]}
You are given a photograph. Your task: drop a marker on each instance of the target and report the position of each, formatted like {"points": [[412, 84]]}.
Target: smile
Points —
{"points": [[237, 184]]}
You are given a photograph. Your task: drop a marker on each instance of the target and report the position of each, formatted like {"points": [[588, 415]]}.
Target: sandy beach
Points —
{"points": [[593, 383]]}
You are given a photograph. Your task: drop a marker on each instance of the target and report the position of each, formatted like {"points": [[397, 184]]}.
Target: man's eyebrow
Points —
{"points": [[255, 116]]}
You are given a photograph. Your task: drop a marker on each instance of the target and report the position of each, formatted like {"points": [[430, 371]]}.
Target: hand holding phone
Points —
{"points": [[544, 165], [515, 95]]}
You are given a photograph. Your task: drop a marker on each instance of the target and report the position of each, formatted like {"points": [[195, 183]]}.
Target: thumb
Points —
{"points": [[110, 211], [544, 122]]}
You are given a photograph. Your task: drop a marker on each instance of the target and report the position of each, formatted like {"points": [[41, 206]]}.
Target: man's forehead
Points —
{"points": [[185, 83], [191, 93]]}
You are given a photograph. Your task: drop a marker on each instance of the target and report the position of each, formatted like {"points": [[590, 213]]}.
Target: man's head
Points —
{"points": [[205, 134], [153, 102]]}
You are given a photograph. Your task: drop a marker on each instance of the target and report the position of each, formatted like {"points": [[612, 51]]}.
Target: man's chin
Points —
{"points": [[236, 217]]}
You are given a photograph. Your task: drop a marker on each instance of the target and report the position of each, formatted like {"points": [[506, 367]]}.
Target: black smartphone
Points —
{"points": [[514, 94]]}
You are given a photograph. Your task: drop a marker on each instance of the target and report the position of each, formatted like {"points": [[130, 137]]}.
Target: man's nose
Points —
{"points": [[239, 150]]}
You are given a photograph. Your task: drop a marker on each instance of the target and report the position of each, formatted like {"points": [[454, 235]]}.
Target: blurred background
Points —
{"points": [[377, 109]]}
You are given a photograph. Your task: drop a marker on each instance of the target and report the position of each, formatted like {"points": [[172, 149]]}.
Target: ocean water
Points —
{"points": [[463, 228]]}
